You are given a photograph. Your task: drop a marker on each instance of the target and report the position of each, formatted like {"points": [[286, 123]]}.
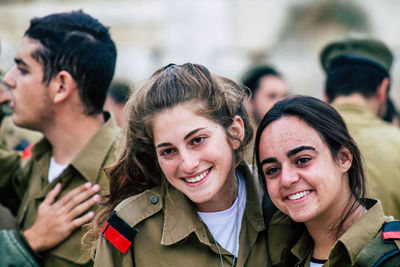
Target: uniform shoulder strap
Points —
{"points": [[118, 232], [122, 225], [391, 231], [382, 249]]}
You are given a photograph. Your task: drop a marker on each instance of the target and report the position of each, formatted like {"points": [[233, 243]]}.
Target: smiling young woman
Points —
{"points": [[180, 194], [312, 170]]}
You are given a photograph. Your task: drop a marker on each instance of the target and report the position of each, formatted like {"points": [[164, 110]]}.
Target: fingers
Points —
{"points": [[82, 220], [51, 196], [80, 196], [71, 194], [82, 207]]}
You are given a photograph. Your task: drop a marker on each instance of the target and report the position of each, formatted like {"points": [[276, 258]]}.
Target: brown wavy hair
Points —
{"points": [[137, 168]]}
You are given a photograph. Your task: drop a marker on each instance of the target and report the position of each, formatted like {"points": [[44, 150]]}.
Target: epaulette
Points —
{"points": [[118, 232], [383, 250], [391, 230]]}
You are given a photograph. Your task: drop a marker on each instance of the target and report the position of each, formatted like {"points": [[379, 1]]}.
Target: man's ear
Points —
{"points": [[236, 130], [344, 158], [65, 85], [382, 90]]}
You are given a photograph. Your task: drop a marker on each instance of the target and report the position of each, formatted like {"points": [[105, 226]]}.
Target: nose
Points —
{"points": [[289, 176], [8, 80], [189, 161]]}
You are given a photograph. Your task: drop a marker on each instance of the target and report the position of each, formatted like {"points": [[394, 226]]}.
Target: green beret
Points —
{"points": [[357, 49]]}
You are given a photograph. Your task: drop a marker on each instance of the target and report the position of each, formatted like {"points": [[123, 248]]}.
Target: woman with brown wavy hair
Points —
{"points": [[180, 193]]}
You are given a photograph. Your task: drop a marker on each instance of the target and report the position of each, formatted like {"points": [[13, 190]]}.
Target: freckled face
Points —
{"points": [[303, 179], [195, 155]]}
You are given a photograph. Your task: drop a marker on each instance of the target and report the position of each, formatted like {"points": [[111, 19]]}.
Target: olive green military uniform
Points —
{"points": [[361, 245], [379, 143], [14, 137], [170, 232], [23, 188]]}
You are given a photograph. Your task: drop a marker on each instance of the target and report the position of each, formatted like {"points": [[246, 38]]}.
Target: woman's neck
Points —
{"points": [[325, 232], [225, 198]]}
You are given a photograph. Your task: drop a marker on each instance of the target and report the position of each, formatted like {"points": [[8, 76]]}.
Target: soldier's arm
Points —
{"points": [[107, 255], [13, 181]]}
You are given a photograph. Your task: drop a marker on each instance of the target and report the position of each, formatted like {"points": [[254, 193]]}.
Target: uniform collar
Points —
{"points": [[90, 160], [253, 211], [181, 219], [352, 242], [363, 230]]}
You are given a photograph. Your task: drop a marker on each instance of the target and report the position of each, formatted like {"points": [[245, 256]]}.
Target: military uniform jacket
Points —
{"points": [[361, 245], [14, 137], [170, 233], [24, 185], [15, 251], [379, 143]]}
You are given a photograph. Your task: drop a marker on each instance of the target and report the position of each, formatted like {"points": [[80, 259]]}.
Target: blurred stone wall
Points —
{"points": [[227, 36]]}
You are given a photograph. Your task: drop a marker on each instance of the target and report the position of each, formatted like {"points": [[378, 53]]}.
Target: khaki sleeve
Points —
{"points": [[13, 179], [108, 255]]}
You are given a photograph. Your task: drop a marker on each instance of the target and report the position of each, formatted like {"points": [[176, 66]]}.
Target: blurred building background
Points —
{"points": [[227, 36]]}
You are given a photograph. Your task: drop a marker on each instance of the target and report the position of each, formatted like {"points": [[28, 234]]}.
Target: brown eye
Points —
{"points": [[167, 152], [302, 161], [271, 171], [198, 140]]}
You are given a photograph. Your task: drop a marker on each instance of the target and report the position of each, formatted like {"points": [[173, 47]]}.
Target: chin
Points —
{"points": [[300, 217]]}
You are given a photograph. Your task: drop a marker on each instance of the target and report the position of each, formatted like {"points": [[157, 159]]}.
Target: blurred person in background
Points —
{"points": [[58, 84], [117, 96], [357, 84], [391, 114], [267, 87]]}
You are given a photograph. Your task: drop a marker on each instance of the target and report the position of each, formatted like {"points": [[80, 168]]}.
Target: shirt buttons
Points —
{"points": [[153, 200]]}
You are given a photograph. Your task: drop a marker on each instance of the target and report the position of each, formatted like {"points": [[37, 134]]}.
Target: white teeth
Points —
{"points": [[197, 178], [299, 195]]}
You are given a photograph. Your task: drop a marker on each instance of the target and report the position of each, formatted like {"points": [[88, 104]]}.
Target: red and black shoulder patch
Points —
{"points": [[118, 232], [391, 230]]}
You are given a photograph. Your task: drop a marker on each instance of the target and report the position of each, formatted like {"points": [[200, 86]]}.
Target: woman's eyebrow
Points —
{"points": [[193, 132], [298, 149], [268, 160], [185, 138]]}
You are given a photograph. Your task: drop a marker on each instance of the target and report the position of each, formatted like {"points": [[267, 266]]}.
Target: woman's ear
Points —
{"points": [[345, 158], [236, 130]]}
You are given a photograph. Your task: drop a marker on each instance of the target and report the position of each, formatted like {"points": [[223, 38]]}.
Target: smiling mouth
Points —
{"points": [[198, 178], [299, 195]]}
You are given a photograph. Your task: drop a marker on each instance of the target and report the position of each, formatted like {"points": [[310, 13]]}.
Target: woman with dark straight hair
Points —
{"points": [[313, 172]]}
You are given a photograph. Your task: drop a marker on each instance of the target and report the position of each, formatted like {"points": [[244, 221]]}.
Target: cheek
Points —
{"points": [[167, 167], [273, 188]]}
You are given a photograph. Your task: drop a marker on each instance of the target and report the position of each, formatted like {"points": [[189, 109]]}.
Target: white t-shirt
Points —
{"points": [[55, 169], [225, 225], [317, 263]]}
